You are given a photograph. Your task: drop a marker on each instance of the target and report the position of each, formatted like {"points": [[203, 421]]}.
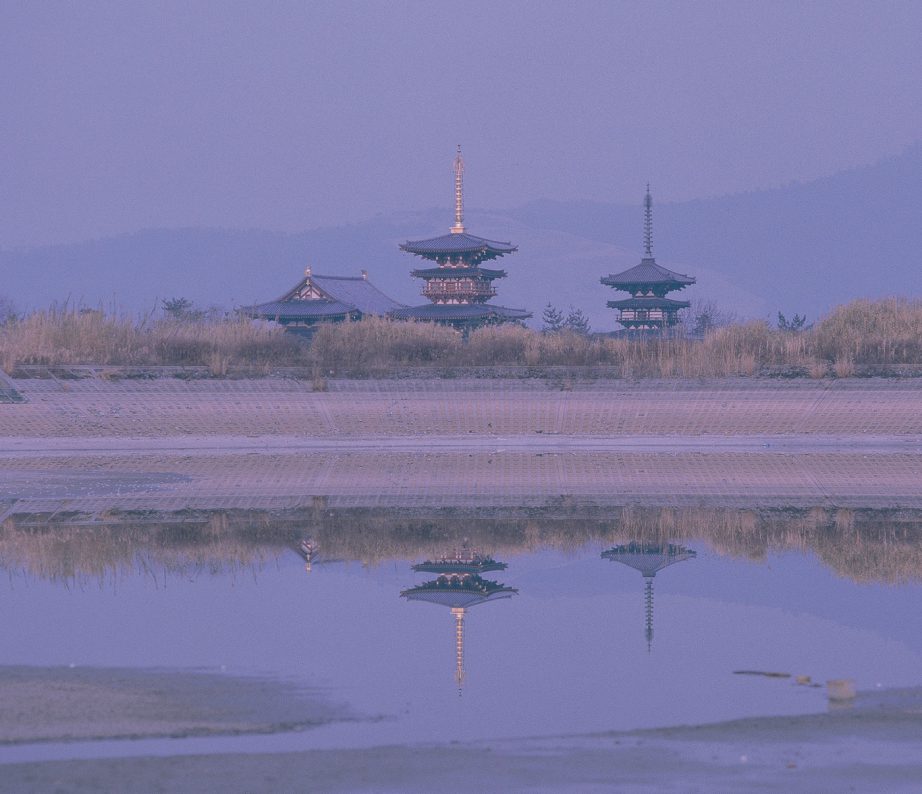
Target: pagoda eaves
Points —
{"points": [[459, 290], [648, 283]]}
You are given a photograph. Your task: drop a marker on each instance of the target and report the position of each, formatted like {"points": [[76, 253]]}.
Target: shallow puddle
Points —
{"points": [[562, 624]]}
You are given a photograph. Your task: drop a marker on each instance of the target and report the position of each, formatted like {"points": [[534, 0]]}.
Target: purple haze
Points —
{"points": [[288, 116]]}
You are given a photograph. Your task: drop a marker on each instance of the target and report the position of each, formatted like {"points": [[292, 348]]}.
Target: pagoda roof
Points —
{"points": [[649, 558], [466, 592], [457, 312], [473, 566], [340, 296], [647, 272], [458, 272], [458, 243], [648, 303]]}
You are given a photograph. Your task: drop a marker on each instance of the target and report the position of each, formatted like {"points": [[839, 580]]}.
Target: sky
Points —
{"points": [[120, 116]]}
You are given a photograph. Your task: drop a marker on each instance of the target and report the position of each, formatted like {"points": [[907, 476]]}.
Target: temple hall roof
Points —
{"points": [[647, 272], [356, 291], [299, 309], [332, 297]]}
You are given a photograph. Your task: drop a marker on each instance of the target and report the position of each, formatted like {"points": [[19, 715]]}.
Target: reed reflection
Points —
{"points": [[875, 546], [460, 586], [649, 559]]}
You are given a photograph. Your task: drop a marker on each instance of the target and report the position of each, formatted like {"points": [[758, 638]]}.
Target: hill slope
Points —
{"points": [[799, 248]]}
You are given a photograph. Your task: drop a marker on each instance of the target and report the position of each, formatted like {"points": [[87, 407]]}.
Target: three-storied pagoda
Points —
{"points": [[458, 287], [648, 307], [459, 586]]}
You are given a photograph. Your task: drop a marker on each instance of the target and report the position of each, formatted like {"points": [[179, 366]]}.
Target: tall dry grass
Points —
{"points": [[864, 337], [875, 335], [63, 335]]}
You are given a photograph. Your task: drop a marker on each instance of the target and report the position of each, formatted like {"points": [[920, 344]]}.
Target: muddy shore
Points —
{"points": [[871, 744]]}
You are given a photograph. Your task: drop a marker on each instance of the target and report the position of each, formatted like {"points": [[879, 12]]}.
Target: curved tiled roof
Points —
{"points": [[470, 592], [448, 312], [647, 272], [460, 566], [648, 303], [298, 310], [344, 295], [358, 292], [648, 559], [458, 272], [458, 243]]}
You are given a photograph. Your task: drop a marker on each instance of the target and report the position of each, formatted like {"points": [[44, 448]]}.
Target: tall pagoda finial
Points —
{"points": [[458, 228], [648, 224], [458, 612]]}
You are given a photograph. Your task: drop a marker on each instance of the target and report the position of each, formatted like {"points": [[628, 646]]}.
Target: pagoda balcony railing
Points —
{"points": [[443, 290], [646, 314]]}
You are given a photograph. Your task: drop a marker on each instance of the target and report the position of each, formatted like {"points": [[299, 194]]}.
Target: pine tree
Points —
{"points": [[577, 322], [552, 319]]}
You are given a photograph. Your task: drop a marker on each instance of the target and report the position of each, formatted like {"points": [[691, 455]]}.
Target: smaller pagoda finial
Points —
{"points": [[648, 224], [648, 610], [307, 271], [458, 228], [458, 612]]}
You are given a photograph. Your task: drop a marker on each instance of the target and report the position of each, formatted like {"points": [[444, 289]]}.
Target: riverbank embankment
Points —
{"points": [[97, 443]]}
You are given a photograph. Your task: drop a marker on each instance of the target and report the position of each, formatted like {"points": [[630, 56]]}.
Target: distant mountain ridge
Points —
{"points": [[803, 248]]}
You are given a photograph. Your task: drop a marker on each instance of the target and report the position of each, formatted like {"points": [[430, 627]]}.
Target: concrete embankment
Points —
{"points": [[167, 444], [167, 407]]}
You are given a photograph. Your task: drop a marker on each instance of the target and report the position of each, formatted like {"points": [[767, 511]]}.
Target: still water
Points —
{"points": [[555, 633]]}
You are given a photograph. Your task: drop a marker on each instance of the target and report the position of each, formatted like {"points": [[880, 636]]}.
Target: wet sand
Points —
{"points": [[873, 745], [62, 704]]}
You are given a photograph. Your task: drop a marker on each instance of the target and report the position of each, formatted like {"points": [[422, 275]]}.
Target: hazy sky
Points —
{"points": [[120, 116]]}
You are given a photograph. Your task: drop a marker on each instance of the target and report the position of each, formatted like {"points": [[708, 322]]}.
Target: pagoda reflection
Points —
{"points": [[649, 559], [459, 585]]}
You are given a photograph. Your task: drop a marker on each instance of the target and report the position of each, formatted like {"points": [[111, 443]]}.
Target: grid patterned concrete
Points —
{"points": [[93, 445], [414, 409], [276, 481]]}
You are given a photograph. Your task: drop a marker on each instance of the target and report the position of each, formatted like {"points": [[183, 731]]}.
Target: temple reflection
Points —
{"points": [[310, 552], [649, 559], [459, 585]]}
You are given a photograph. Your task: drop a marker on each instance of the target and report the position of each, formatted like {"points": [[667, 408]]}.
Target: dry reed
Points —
{"points": [[62, 335], [864, 337]]}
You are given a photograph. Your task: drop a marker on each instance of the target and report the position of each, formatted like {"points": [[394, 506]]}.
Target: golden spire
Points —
{"points": [[458, 228], [458, 612]]}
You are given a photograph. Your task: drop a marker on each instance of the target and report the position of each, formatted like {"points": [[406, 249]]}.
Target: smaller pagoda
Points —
{"points": [[459, 586], [649, 559], [458, 287], [648, 308]]}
